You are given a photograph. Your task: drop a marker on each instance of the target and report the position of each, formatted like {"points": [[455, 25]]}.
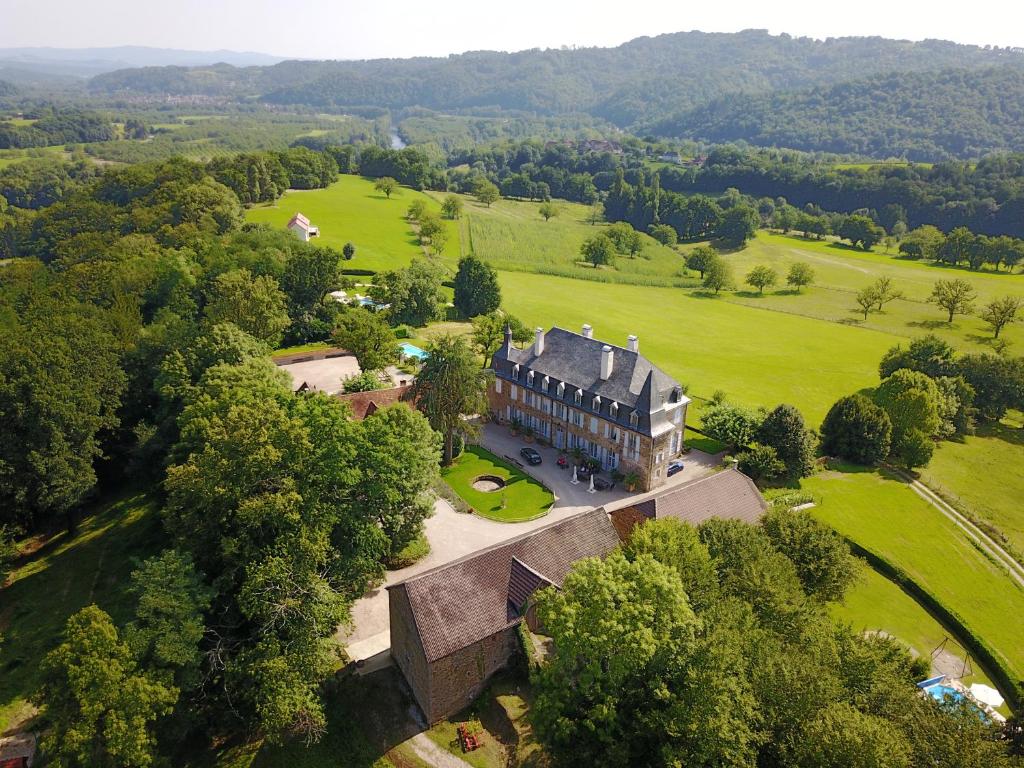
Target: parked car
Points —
{"points": [[531, 455], [676, 465], [603, 483]]}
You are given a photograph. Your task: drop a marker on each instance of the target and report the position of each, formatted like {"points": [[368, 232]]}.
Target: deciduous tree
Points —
{"points": [[598, 250], [718, 275], [387, 185], [762, 277], [476, 288], [253, 303], [485, 192], [857, 430], [999, 313], [700, 258], [800, 274], [954, 296], [367, 335]]}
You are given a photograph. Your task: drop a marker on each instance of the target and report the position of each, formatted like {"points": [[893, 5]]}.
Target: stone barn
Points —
{"points": [[454, 626]]}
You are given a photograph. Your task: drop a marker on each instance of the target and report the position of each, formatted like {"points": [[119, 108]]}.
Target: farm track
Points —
{"points": [[989, 545]]}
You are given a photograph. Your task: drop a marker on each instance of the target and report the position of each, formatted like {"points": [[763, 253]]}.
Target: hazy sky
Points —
{"points": [[400, 28]]}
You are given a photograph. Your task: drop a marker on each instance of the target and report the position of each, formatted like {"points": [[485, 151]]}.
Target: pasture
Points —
{"points": [[884, 516], [350, 210]]}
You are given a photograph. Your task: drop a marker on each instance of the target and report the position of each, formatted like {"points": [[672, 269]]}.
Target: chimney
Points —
{"points": [[633, 344], [538, 344], [607, 357], [588, 331]]}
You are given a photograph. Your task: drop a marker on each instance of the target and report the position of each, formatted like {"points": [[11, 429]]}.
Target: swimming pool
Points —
{"points": [[411, 350], [939, 693]]}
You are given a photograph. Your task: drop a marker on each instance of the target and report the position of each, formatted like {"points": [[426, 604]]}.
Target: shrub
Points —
{"points": [[760, 462], [731, 424], [783, 429], [857, 430]]}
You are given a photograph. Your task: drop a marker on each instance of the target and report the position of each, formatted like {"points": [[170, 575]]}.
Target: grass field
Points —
{"points": [[757, 357], [522, 498], [63, 576], [351, 211], [902, 618], [884, 516], [982, 474]]}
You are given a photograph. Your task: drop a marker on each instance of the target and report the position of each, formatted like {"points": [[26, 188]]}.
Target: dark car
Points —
{"points": [[603, 483], [676, 465], [531, 455]]}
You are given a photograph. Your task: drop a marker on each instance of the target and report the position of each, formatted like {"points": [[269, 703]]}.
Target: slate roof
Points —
{"points": [[729, 495], [635, 383], [458, 604]]}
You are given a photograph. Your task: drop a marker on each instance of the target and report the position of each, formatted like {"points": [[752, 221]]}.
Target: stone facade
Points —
{"points": [[638, 435], [458, 678]]}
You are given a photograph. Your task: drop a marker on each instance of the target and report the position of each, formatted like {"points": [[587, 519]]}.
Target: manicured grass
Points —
{"points": [[757, 357], [982, 474], [350, 210], [703, 442], [522, 498], [876, 604], [311, 347], [841, 271], [63, 576], [884, 516]]}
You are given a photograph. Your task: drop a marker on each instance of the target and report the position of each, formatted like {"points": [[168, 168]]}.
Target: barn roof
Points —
{"points": [[458, 604], [729, 495]]}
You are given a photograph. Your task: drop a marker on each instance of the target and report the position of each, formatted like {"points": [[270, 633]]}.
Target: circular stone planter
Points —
{"points": [[488, 483]]}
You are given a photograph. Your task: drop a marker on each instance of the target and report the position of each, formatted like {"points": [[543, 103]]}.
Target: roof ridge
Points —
{"points": [[533, 570], [497, 546]]}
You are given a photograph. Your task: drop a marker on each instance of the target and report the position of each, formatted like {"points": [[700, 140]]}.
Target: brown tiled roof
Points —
{"points": [[729, 494], [467, 600], [365, 404], [523, 581]]}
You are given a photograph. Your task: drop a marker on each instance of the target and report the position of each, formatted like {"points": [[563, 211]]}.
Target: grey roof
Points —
{"points": [[729, 495], [457, 604], [635, 383]]}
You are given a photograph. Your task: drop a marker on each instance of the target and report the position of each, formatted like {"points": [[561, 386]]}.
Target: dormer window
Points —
{"points": [[529, 379], [595, 404], [613, 410], [578, 399], [561, 389], [634, 418], [547, 383], [515, 371]]}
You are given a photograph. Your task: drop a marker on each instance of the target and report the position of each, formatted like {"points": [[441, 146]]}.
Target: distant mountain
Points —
{"points": [[668, 85], [88, 62], [923, 116]]}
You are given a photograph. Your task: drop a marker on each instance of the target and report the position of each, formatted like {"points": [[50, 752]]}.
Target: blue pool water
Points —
{"points": [[411, 350], [938, 692]]}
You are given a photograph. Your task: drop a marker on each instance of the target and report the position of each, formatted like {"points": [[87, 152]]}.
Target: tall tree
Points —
{"points": [[387, 185], [738, 225], [857, 430], [451, 207], [954, 296], [598, 250], [783, 429], [718, 275], [254, 304], [100, 705], [476, 288], [449, 387], [485, 192], [489, 330], [999, 313], [800, 274], [414, 293], [367, 335], [700, 257]]}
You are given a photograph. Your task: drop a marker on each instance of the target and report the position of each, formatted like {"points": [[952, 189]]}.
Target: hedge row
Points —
{"points": [[1012, 690]]}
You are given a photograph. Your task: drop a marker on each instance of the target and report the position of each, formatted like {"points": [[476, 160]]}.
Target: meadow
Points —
{"points": [[350, 210]]}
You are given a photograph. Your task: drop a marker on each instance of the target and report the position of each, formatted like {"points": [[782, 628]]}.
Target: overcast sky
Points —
{"points": [[399, 28]]}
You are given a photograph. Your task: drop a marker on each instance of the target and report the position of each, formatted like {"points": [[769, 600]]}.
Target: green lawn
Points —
{"points": [[875, 604], [884, 516], [523, 498], [758, 357], [841, 271], [983, 474], [63, 576], [350, 210]]}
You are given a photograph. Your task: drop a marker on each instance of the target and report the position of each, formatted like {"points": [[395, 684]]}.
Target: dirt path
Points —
{"points": [[428, 751], [976, 534]]}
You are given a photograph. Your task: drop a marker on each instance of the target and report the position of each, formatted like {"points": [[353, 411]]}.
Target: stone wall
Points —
{"points": [[405, 646], [457, 679]]}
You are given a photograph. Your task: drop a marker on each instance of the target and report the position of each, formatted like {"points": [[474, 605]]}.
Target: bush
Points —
{"points": [[783, 429], [761, 462], [857, 430], [366, 381], [411, 553], [731, 424]]}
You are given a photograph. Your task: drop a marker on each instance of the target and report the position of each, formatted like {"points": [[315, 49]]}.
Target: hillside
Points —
{"points": [[641, 81], [923, 116]]}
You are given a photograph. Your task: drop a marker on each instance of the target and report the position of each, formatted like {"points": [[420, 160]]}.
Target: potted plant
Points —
{"points": [[631, 481], [528, 434], [577, 454], [617, 476], [515, 426]]}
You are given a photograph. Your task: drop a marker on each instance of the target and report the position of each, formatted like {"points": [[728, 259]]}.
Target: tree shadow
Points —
{"points": [[1000, 431], [985, 341], [930, 325]]}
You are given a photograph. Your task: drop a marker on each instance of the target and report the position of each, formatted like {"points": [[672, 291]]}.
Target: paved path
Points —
{"points": [[433, 755], [454, 534], [976, 534]]}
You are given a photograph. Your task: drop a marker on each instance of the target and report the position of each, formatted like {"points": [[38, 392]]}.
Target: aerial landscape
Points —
{"points": [[390, 388]]}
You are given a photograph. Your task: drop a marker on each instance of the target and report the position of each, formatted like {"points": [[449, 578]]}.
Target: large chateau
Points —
{"points": [[576, 392]]}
